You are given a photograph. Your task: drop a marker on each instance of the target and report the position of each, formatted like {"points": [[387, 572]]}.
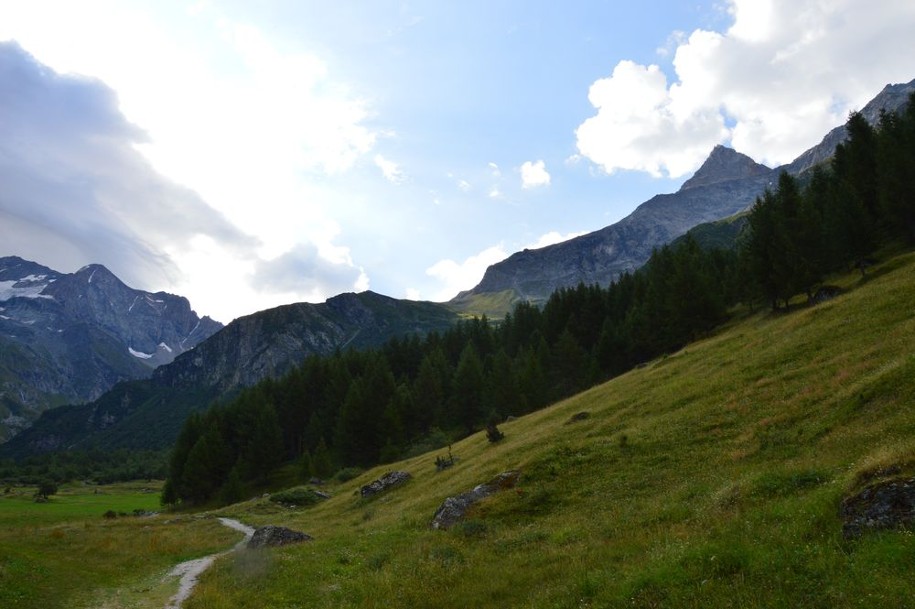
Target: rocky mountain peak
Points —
{"points": [[72, 336], [724, 164]]}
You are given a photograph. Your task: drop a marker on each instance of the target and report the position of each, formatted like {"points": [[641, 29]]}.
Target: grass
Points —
{"points": [[64, 553], [708, 478]]}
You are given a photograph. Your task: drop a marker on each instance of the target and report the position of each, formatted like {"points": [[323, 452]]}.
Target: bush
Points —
{"points": [[46, 488], [493, 434], [298, 496]]}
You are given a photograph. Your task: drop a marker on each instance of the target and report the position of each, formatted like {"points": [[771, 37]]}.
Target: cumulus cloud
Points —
{"points": [[304, 271], [75, 190], [534, 174], [782, 75], [457, 276], [389, 169]]}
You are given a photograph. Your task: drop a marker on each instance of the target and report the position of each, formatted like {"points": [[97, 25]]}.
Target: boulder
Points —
{"points": [[584, 415], [385, 483], [271, 536], [884, 505], [453, 509]]}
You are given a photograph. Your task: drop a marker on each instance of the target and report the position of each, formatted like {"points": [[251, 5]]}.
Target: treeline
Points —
{"points": [[865, 199], [359, 408], [101, 467], [414, 394]]}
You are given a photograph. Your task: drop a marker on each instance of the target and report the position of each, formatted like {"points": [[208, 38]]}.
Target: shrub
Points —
{"points": [[493, 434], [298, 496]]}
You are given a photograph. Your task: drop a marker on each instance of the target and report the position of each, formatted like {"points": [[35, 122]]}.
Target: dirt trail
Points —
{"points": [[189, 571]]}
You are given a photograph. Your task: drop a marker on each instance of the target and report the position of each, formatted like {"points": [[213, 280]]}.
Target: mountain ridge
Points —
{"points": [[727, 183], [148, 413], [70, 337]]}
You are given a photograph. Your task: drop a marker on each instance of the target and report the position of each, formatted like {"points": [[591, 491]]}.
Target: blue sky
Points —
{"points": [[251, 154]]}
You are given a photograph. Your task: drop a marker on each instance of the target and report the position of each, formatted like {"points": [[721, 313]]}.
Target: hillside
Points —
{"points": [[147, 414], [709, 478]]}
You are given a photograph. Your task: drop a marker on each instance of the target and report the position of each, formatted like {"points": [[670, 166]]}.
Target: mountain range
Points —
{"points": [[70, 337], [148, 413]]}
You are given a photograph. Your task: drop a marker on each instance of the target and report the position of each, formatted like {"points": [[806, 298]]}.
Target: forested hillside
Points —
{"points": [[361, 408]]}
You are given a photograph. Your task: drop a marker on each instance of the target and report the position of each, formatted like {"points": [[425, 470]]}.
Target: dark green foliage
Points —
{"points": [[493, 434], [298, 496], [46, 488], [865, 199]]}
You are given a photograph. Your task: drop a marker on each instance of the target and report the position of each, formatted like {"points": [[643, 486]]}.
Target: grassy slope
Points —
{"points": [[710, 478]]}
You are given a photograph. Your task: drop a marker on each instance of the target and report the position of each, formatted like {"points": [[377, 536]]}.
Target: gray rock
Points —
{"points": [[884, 505], [579, 416], [272, 536], [385, 483], [453, 509]]}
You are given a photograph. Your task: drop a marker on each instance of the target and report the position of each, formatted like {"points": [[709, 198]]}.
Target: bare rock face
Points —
{"points": [[272, 536], [884, 505], [70, 337], [453, 509], [385, 483], [728, 183]]}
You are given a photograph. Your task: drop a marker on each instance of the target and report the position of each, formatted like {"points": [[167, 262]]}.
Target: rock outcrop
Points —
{"points": [[271, 536], [885, 505], [454, 508], [385, 483]]}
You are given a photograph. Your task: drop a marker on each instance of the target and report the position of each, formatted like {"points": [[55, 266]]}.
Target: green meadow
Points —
{"points": [[709, 478], [66, 553]]}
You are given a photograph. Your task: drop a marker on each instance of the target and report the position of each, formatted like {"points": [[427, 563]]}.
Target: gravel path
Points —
{"points": [[189, 571]]}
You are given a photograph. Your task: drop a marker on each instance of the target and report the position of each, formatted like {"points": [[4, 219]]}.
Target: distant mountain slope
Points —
{"points": [[71, 337], [727, 183], [272, 342], [149, 413]]}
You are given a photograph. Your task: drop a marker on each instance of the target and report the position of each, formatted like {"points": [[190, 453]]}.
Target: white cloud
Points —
{"points": [[464, 185], [495, 193], [458, 276], [534, 174], [494, 170], [774, 83], [389, 169]]}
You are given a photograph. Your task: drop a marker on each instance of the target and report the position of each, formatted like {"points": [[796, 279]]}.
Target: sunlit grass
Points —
{"points": [[709, 478]]}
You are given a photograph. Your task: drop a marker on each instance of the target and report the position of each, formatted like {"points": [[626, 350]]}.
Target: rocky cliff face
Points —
{"points": [[71, 337], [727, 183]]}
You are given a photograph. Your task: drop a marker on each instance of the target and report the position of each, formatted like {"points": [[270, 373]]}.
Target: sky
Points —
{"points": [[252, 154]]}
